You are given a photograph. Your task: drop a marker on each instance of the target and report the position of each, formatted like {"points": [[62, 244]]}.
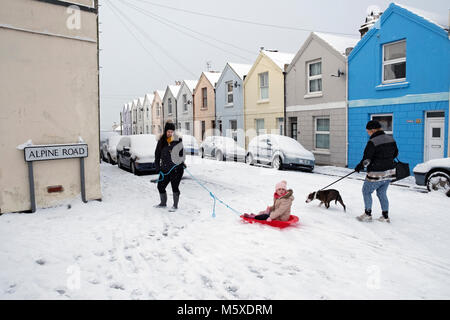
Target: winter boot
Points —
{"points": [[176, 198], [384, 217], [163, 203], [366, 217]]}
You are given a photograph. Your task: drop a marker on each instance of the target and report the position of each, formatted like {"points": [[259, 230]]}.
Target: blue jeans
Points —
{"points": [[381, 187]]}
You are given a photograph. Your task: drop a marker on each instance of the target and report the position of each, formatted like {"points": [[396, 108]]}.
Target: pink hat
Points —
{"points": [[281, 185]]}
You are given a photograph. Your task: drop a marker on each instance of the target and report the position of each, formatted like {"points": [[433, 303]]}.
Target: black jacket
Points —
{"points": [[381, 150], [163, 154]]}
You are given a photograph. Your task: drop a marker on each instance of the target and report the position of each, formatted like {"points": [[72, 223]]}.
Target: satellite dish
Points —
{"points": [[373, 9]]}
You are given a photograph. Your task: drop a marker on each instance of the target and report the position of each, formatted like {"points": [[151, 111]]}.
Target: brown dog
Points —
{"points": [[326, 196]]}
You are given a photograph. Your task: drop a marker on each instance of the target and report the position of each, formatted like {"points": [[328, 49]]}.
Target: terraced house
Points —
{"points": [[185, 106], [399, 74], [157, 112], [230, 101], [264, 94], [316, 96], [170, 103], [204, 105]]}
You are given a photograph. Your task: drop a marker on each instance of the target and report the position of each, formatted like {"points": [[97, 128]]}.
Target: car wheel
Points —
{"points": [[110, 160], [249, 159], [118, 162], [133, 169], [219, 156], [276, 163], [438, 181]]}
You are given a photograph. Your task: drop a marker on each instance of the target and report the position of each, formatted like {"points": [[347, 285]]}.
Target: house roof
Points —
{"points": [[160, 93], [141, 100], [279, 58], [174, 89], [212, 77], [149, 97], [191, 84], [417, 16], [240, 69], [339, 43], [435, 18]]}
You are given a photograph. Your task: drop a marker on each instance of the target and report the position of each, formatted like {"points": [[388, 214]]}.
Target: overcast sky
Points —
{"points": [[177, 45]]}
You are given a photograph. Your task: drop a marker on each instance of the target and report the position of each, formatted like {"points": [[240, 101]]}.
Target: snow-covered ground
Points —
{"points": [[123, 248]]}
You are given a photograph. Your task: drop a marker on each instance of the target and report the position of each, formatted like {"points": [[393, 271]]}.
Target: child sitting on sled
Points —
{"points": [[281, 209]]}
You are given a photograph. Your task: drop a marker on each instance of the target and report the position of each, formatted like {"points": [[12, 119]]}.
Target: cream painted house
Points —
{"points": [[264, 94], [204, 105], [140, 115], [134, 128], [157, 112], [49, 94]]}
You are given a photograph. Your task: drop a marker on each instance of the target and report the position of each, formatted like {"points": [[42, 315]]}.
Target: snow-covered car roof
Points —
{"points": [[431, 164], [285, 144], [143, 145]]}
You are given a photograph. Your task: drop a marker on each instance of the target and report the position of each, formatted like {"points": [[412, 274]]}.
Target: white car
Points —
{"points": [[137, 152], [190, 144], [222, 149], [279, 152], [109, 151], [435, 174]]}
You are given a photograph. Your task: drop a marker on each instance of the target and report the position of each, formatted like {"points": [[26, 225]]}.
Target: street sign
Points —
{"points": [[55, 151]]}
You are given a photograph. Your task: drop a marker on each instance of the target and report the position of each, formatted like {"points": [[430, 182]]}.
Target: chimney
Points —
{"points": [[371, 18]]}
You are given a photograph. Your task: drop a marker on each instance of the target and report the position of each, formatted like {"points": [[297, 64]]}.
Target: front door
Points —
{"points": [[434, 138]]}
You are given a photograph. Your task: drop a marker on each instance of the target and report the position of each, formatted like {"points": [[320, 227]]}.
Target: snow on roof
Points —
{"points": [[191, 84], [339, 43], [241, 69], [141, 100], [435, 18], [174, 89], [160, 93], [280, 58], [212, 77], [149, 96]]}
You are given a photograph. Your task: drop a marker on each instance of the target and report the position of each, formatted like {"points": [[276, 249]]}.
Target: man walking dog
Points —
{"points": [[378, 159]]}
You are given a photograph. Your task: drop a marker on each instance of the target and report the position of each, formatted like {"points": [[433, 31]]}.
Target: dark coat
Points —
{"points": [[381, 150], [163, 154]]}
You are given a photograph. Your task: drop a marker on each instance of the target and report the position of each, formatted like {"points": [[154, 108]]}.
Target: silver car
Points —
{"points": [[221, 148], [109, 151], [280, 152], [434, 174]]}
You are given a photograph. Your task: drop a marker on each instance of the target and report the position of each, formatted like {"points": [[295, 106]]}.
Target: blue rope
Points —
{"points": [[213, 196], [162, 174]]}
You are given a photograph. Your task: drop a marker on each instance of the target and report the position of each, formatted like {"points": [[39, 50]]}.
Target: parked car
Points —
{"points": [[137, 153], [109, 151], [434, 174], [279, 152], [104, 135], [190, 144], [221, 148]]}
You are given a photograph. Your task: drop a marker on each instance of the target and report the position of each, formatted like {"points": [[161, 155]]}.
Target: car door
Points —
{"points": [[262, 149]]}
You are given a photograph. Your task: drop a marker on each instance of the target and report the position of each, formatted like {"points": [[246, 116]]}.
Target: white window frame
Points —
{"points": [[321, 132], [157, 109], [204, 98], [185, 107], [260, 131], [385, 115], [389, 62], [261, 86], [228, 93], [169, 106], [233, 131], [316, 77]]}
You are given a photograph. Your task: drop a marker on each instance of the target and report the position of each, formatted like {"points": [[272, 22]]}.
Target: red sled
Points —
{"points": [[274, 223]]}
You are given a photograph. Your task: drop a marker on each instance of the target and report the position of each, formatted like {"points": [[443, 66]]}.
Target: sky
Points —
{"points": [[146, 45]]}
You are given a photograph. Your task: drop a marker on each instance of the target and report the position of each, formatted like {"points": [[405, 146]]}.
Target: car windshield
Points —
{"points": [[226, 141]]}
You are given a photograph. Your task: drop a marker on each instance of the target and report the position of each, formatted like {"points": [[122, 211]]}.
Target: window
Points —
{"points": [[219, 124], [259, 126], [157, 110], [233, 127], [229, 92], [315, 77], [169, 107], [187, 127], [204, 98], [148, 114], [185, 108], [386, 122], [394, 62], [293, 131], [280, 124], [264, 85], [322, 133]]}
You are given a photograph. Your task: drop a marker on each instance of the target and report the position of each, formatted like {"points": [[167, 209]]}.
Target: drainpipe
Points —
{"points": [[346, 111], [284, 101]]}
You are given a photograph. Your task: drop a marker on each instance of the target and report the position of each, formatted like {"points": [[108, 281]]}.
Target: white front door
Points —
{"points": [[434, 138]]}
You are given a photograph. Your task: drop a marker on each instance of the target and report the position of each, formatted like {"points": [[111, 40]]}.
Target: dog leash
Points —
{"points": [[338, 180]]}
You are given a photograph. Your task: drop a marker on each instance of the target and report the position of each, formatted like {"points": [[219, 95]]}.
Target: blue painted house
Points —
{"points": [[399, 74], [230, 102]]}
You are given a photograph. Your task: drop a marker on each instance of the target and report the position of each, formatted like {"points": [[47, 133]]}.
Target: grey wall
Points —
{"points": [[188, 116]]}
